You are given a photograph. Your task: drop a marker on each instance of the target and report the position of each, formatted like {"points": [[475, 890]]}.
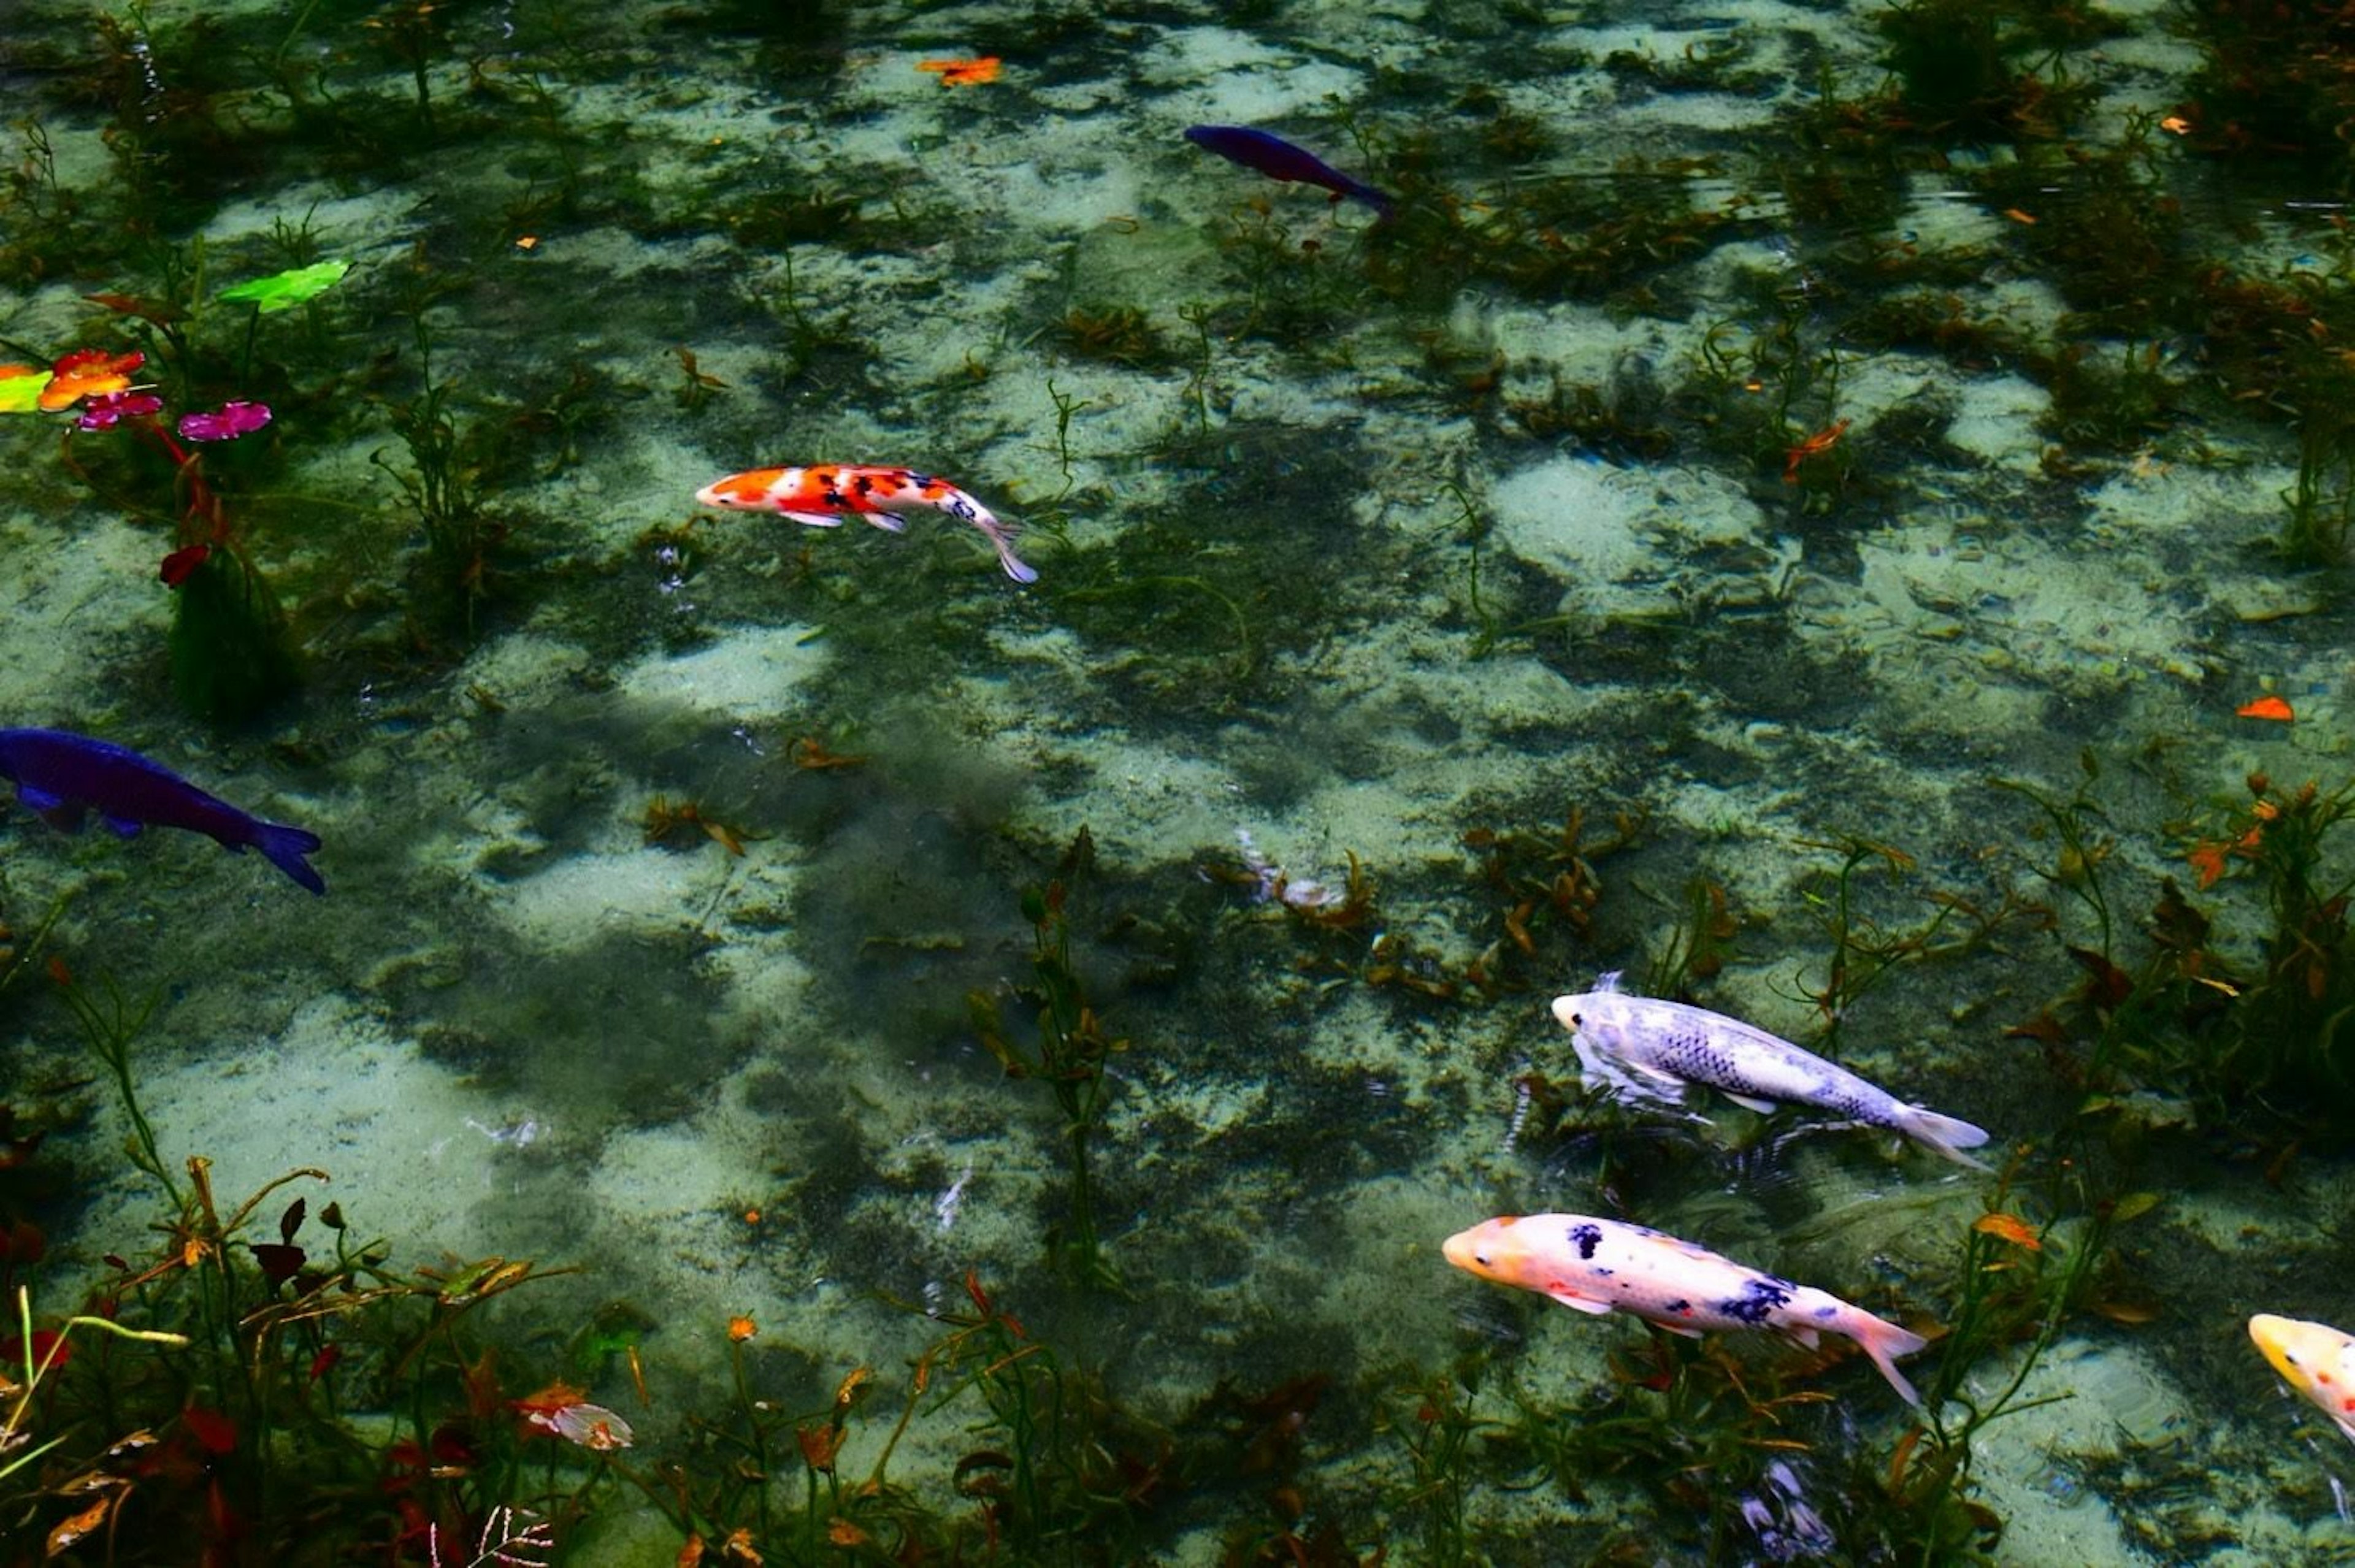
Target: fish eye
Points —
{"points": [[1577, 1021], [1481, 1258]]}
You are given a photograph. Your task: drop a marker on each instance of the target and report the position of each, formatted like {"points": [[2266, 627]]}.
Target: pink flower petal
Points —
{"points": [[100, 413], [226, 423]]}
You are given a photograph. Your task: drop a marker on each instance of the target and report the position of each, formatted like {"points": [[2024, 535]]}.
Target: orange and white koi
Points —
{"points": [[2314, 1358], [1599, 1266], [821, 495]]}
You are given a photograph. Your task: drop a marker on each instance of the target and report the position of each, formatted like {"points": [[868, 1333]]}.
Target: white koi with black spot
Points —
{"points": [[1646, 1049], [1605, 1265]]}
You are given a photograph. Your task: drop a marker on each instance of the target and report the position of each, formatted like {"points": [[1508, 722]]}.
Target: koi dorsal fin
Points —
{"points": [[1607, 982]]}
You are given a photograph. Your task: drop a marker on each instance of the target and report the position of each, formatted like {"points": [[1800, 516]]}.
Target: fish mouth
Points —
{"points": [[1458, 1250], [2277, 1339]]}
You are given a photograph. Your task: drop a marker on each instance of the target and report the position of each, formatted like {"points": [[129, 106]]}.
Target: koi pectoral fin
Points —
{"points": [[813, 520], [1578, 1303], [889, 522], [122, 826], [1753, 1103]]}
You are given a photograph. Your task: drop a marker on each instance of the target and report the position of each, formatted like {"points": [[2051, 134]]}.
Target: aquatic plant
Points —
{"points": [[1684, 1421], [2017, 1283], [1069, 1057], [665, 823], [464, 536], [1118, 333], [1959, 72], [1433, 1417], [2290, 1029], [231, 652], [1862, 952], [2273, 81], [696, 384], [1544, 879], [2321, 499], [42, 224]]}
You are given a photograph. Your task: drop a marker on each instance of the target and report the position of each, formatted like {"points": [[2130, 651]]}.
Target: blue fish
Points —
{"points": [[1279, 159], [59, 776]]}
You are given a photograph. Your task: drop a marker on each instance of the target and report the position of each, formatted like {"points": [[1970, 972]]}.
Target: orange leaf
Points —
{"points": [[70, 1530], [2207, 859], [2009, 1228], [2266, 708], [962, 73], [88, 372]]}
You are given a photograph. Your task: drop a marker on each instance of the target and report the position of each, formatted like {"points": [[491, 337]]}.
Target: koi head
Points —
{"points": [[1491, 1251], [1601, 1021], [754, 489], [2312, 1358]]}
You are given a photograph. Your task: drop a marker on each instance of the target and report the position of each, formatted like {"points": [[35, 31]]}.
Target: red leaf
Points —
{"points": [[12, 1351], [2273, 707], [181, 564], [216, 1432], [324, 1359], [278, 1264], [2108, 985]]}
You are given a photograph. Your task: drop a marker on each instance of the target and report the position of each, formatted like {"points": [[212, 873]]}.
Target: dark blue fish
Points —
{"points": [[60, 776], [1279, 159]]}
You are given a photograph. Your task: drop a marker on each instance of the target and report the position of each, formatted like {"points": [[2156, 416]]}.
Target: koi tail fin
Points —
{"points": [[1884, 1341], [1945, 1136], [1001, 539], [285, 847], [1016, 567]]}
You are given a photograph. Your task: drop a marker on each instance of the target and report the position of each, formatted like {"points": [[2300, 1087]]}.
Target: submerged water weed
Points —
{"points": [[1765, 396], [112, 1025], [42, 228], [2274, 79], [1863, 952], [2111, 405], [2291, 1026], [2017, 1284], [1546, 887], [2321, 500], [1069, 1057], [2185, 1031], [226, 1384], [1116, 334], [1433, 1417], [1961, 73], [1685, 1421], [1698, 945], [1489, 627]]}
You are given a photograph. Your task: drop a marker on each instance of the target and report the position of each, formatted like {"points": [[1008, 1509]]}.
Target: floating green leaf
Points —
{"points": [[283, 290], [20, 388]]}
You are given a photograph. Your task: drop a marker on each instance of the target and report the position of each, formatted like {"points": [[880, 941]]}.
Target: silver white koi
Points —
{"points": [[1646, 1049]]}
